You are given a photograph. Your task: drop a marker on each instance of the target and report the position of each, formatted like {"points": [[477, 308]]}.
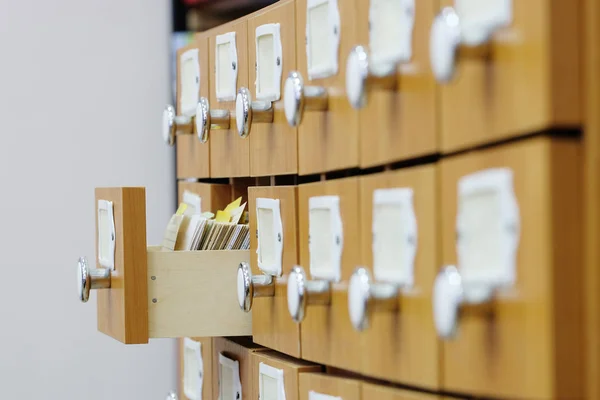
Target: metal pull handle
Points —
{"points": [[299, 98], [366, 297], [249, 286], [207, 119], [360, 78], [199, 122], [91, 278], [449, 297], [302, 292], [248, 112], [449, 33]]}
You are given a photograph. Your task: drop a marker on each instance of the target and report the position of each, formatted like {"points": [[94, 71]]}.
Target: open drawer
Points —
{"points": [[148, 293]]}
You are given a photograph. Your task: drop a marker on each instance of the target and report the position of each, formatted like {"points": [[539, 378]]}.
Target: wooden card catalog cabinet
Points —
{"points": [[509, 297], [184, 125], [272, 52], [389, 80], [228, 55], [314, 94], [144, 292], [508, 68]]}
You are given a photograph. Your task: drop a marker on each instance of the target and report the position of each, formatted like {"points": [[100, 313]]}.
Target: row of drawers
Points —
{"points": [[230, 366], [521, 78], [517, 312], [506, 322]]}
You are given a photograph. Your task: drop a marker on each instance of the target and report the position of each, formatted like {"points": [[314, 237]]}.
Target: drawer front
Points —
{"points": [[314, 386], [326, 332], [525, 79], [230, 153], [273, 145], [213, 197], [327, 140], [193, 156], [398, 121], [525, 340], [192, 371], [122, 308], [372, 391], [271, 324], [277, 377], [401, 344], [232, 368]]}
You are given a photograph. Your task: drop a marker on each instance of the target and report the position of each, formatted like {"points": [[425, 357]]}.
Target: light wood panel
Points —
{"points": [[373, 391], [402, 346], [207, 363], [123, 309], [327, 335], [530, 347], [329, 140], [193, 293], [271, 323], [401, 124], [240, 350], [344, 388], [214, 196], [273, 146], [292, 369], [230, 154], [193, 157], [591, 186], [529, 81]]}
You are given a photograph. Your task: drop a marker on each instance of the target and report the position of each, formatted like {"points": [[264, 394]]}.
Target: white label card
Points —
{"points": [[270, 383], [193, 369], [230, 385], [394, 236], [487, 227], [326, 239], [270, 236], [269, 62], [226, 67], [312, 395], [189, 79], [106, 234], [480, 18], [193, 201], [390, 34], [323, 32]]}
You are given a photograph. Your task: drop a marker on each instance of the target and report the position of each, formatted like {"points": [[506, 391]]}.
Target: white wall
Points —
{"points": [[82, 87]]}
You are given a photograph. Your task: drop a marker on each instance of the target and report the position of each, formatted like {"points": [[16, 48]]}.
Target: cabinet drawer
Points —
{"points": [[195, 368], [144, 292], [511, 225], [213, 196], [399, 111], [525, 78], [193, 154], [332, 208], [400, 247], [232, 360], [276, 376], [328, 131], [230, 153], [271, 325], [273, 144], [320, 386], [374, 391]]}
